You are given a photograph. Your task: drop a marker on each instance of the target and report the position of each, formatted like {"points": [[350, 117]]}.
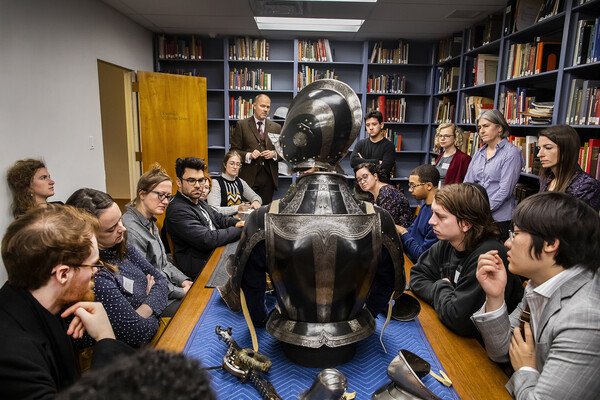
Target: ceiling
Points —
{"points": [[386, 19]]}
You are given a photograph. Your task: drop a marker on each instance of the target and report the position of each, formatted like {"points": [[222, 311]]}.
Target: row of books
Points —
{"points": [[588, 157], [178, 48], [240, 108], [246, 48], [583, 107], [308, 75], [513, 103], [319, 50], [484, 32], [587, 43], [526, 59], [386, 83], [394, 136], [182, 71], [446, 79], [396, 55], [243, 79], [473, 107], [393, 110], [521, 14], [450, 47], [445, 111], [529, 147]]}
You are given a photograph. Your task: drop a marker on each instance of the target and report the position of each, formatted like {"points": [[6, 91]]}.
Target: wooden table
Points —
{"points": [[473, 374]]}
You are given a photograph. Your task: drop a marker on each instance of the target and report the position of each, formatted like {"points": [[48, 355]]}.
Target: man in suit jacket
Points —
{"points": [[51, 256], [195, 227], [251, 140], [556, 244]]}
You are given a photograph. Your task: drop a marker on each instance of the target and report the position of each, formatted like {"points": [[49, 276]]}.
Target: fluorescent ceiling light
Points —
{"points": [[308, 24]]}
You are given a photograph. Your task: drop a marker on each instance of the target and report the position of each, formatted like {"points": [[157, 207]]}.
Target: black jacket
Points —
{"points": [[193, 240], [37, 359]]}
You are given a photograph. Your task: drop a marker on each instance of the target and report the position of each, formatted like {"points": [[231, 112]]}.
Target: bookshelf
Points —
{"points": [[225, 61], [552, 83]]}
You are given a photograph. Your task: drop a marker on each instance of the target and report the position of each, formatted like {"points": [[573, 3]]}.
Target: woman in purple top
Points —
{"points": [[372, 179], [496, 166], [559, 151]]}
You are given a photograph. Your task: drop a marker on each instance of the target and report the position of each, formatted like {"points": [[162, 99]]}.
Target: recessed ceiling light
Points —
{"points": [[308, 24]]}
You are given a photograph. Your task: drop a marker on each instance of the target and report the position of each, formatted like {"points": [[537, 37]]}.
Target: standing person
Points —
{"points": [[451, 163], [51, 257], [134, 293], [251, 140], [373, 180], [30, 184], [554, 349], [230, 190], [153, 195], [195, 228], [375, 149], [559, 150], [444, 275], [496, 166], [422, 183]]}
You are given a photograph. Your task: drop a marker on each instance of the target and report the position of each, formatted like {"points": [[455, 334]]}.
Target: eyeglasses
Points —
{"points": [[234, 164], [193, 181], [412, 187], [163, 196], [362, 178], [99, 265], [445, 136], [513, 234]]}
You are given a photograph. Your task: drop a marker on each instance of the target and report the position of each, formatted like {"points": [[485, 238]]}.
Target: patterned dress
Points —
{"points": [[393, 201]]}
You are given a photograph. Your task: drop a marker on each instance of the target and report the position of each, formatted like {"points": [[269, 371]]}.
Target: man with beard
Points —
{"points": [[196, 229], [51, 256]]}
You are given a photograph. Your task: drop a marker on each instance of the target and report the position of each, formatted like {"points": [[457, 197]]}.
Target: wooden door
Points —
{"points": [[172, 119]]}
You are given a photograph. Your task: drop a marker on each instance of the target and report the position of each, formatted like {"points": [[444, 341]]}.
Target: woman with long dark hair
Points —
{"points": [[559, 153], [30, 184]]}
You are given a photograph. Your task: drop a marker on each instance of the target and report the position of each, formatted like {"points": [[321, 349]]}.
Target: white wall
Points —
{"points": [[49, 98]]}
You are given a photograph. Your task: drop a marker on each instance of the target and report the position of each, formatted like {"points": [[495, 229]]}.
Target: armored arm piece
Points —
{"points": [[245, 364]]}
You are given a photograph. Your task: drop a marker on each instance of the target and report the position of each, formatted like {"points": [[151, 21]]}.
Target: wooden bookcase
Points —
{"points": [[546, 86]]}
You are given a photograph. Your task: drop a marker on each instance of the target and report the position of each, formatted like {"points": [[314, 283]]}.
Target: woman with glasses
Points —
{"points": [[496, 166], [134, 296], [372, 179], [232, 194], [559, 152], [30, 184], [153, 195], [452, 163]]}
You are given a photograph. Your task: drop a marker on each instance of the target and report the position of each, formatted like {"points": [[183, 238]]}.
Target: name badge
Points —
{"points": [[456, 276], [445, 165], [128, 284]]}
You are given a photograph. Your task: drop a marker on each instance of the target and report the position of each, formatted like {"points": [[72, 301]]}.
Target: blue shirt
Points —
{"points": [[499, 176], [420, 234]]}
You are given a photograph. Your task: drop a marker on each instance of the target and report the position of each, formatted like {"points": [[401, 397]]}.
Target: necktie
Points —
{"points": [[525, 317], [260, 129]]}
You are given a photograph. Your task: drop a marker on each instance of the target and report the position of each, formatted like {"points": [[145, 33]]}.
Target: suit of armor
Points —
{"points": [[326, 252]]}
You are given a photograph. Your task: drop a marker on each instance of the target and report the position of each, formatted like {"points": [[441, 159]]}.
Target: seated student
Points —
{"points": [[135, 295], [153, 196], [372, 179], [422, 182], [555, 350], [559, 151], [195, 228], [206, 188], [444, 275], [30, 184], [230, 190], [51, 256], [148, 374]]}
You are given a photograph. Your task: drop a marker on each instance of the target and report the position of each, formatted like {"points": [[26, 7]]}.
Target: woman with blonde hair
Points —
{"points": [[30, 184], [154, 191], [452, 163]]}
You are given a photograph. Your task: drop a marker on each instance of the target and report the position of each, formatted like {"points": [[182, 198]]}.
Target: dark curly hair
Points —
{"points": [[147, 374], [19, 178]]}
